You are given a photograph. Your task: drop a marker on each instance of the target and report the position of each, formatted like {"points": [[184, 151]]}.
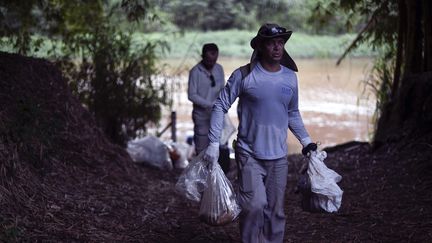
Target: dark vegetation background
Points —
{"points": [[64, 122], [93, 44]]}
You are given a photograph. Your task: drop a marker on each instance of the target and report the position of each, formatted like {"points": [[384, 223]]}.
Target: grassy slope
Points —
{"points": [[235, 43]]}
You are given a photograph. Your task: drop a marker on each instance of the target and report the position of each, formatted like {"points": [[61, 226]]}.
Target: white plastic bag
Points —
{"points": [[193, 179], [151, 151], [218, 204], [178, 154], [326, 193]]}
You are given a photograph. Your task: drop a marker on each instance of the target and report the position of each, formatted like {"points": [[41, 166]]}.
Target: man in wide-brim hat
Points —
{"points": [[270, 31], [267, 107]]}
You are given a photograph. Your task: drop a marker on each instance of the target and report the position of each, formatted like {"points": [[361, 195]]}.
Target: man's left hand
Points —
{"points": [[310, 147]]}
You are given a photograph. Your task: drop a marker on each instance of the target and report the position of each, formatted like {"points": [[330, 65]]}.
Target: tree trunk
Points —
{"points": [[427, 28], [410, 114], [414, 39], [400, 46]]}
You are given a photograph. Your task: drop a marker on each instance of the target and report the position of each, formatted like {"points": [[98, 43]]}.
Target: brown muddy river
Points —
{"points": [[334, 108]]}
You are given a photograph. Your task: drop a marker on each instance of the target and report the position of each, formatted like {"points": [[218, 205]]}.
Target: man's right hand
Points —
{"points": [[211, 154]]}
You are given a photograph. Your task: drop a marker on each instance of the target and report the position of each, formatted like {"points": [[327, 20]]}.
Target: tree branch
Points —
{"points": [[360, 34]]}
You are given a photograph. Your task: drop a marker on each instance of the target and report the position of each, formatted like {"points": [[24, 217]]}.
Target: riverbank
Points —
{"points": [[335, 105]]}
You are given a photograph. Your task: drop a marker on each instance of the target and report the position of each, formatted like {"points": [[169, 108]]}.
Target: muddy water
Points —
{"points": [[331, 102]]}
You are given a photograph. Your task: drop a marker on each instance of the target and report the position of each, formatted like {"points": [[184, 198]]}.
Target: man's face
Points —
{"points": [[210, 58], [272, 49]]}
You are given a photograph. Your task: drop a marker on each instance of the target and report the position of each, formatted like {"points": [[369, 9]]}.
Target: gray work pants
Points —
{"points": [[201, 139], [261, 196], [201, 119]]}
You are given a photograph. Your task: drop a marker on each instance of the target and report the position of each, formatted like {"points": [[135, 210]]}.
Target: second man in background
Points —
{"points": [[206, 80]]}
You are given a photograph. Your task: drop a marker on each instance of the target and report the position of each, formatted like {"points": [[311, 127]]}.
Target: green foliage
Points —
{"points": [[379, 26], [116, 84], [380, 81], [329, 16], [114, 81], [376, 20], [204, 15], [112, 76], [18, 20], [293, 14], [235, 43], [248, 15]]}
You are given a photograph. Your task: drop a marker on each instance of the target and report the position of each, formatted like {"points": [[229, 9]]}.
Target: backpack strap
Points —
{"points": [[245, 70]]}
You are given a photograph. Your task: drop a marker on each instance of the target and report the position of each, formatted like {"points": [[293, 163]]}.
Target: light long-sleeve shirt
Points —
{"points": [[200, 91], [268, 107]]}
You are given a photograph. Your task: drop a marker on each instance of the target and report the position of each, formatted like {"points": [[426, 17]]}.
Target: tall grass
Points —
{"points": [[232, 43], [235, 43], [380, 83]]}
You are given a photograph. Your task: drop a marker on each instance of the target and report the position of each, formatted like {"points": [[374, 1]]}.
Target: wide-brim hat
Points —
{"points": [[270, 31]]}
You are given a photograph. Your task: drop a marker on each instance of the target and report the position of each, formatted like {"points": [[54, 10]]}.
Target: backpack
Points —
{"points": [[245, 70]]}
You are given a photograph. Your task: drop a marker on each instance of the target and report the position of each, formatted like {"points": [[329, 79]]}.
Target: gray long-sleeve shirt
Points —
{"points": [[200, 91], [268, 106]]}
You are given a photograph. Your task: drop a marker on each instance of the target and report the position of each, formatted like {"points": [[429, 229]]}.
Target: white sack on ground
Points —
{"points": [[323, 182], [151, 151], [218, 204]]}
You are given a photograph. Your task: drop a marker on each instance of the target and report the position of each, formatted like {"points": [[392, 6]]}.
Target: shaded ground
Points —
{"points": [[61, 180]]}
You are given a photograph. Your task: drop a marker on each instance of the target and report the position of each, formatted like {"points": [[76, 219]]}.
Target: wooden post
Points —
{"points": [[173, 126]]}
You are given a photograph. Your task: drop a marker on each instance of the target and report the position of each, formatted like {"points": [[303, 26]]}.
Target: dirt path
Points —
{"points": [[382, 202]]}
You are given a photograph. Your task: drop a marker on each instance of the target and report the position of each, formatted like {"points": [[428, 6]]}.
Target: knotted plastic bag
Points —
{"points": [[193, 180], [319, 189], [218, 204], [150, 151]]}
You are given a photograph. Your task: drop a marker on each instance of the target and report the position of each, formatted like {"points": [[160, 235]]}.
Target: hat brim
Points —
{"points": [[257, 39]]}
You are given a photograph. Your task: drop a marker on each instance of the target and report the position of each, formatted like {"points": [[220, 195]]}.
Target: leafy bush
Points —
{"points": [[112, 77]]}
